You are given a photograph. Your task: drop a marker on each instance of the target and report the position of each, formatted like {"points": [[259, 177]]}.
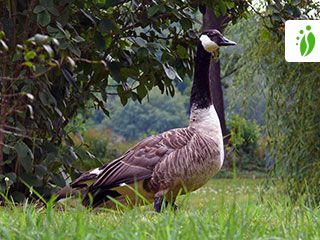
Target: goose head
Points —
{"points": [[212, 40]]}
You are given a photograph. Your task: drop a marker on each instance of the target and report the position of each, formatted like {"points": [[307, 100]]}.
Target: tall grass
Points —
{"points": [[224, 209]]}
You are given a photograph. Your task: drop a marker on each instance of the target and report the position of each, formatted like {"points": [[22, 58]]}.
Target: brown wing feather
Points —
{"points": [[138, 162]]}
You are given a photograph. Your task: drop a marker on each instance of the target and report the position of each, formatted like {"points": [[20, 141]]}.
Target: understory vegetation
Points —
{"points": [[288, 96], [223, 209]]}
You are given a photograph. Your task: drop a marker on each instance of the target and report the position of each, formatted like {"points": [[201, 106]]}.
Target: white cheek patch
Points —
{"points": [[208, 44]]}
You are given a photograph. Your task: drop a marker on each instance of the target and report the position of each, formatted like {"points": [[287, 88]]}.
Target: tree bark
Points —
{"points": [[210, 21]]}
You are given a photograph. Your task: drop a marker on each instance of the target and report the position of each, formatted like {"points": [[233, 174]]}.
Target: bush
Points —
{"points": [[98, 146], [244, 144]]}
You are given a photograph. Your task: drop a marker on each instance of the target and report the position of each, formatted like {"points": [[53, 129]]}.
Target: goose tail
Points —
{"points": [[68, 192], [77, 188]]}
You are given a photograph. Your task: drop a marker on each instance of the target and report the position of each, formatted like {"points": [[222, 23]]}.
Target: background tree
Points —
{"points": [[218, 17], [291, 91], [158, 114]]}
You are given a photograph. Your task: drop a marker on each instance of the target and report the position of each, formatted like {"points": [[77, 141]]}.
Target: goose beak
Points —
{"points": [[226, 42]]}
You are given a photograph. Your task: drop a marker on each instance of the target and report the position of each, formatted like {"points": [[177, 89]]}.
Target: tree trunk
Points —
{"points": [[210, 21]]}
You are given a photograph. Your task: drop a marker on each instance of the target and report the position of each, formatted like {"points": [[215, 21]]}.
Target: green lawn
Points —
{"points": [[223, 209]]}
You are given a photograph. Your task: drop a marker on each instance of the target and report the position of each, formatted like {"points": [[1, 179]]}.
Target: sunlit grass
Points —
{"points": [[223, 209]]}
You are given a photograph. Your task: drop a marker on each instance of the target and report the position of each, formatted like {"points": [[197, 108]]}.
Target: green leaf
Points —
{"points": [[230, 4], [186, 24], [171, 90], [30, 55], [106, 25], [170, 72], [114, 68], [102, 89], [58, 180], [52, 29], [223, 8], [41, 39], [4, 45], [43, 18], [220, 8], [122, 94], [30, 179], [142, 91], [71, 62], [99, 41], [25, 155], [53, 11], [74, 49], [49, 50], [108, 41], [78, 39], [18, 196], [47, 99], [182, 52], [57, 110], [142, 52], [154, 10], [28, 64], [41, 170], [38, 9], [135, 96]]}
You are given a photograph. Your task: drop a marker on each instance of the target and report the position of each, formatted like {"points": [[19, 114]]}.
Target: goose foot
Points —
{"points": [[158, 201], [157, 204]]}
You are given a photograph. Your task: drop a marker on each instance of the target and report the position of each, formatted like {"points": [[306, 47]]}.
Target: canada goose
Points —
{"points": [[162, 166]]}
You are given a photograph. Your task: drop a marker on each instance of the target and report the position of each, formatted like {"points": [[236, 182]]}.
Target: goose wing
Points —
{"points": [[139, 162]]}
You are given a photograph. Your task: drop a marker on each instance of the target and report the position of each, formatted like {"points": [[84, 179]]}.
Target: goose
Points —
{"points": [[161, 167]]}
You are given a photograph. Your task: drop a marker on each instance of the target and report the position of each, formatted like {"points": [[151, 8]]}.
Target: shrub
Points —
{"points": [[98, 146], [244, 139]]}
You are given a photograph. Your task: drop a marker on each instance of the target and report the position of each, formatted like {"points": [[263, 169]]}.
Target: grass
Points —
{"points": [[223, 209]]}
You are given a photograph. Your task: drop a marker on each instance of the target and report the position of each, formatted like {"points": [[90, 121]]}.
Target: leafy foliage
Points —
{"points": [[97, 146], [292, 94], [244, 137]]}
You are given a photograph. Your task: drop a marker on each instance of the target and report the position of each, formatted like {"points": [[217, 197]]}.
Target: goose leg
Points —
{"points": [[174, 206], [158, 200], [157, 204]]}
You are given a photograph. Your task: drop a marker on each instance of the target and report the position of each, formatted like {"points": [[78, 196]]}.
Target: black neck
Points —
{"points": [[200, 93]]}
